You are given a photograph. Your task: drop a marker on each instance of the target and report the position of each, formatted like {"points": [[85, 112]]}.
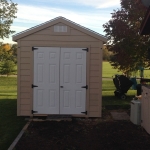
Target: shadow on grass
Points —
{"points": [[112, 102], [10, 124]]}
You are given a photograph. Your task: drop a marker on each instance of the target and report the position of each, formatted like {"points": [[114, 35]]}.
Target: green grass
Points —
{"points": [[108, 71], [10, 124], [109, 101], [8, 87]]}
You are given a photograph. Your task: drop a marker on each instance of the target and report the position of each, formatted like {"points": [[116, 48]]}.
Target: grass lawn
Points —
{"points": [[10, 124], [108, 71], [109, 101]]}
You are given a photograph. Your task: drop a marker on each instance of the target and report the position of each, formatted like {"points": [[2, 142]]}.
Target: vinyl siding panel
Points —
{"points": [[25, 95], [25, 84], [94, 67], [26, 72], [25, 107], [24, 66], [25, 60], [18, 80], [58, 43], [76, 32], [25, 113], [95, 97], [47, 38], [43, 32], [59, 38], [94, 108], [94, 103], [94, 73], [25, 78], [25, 89], [93, 79], [25, 101]]}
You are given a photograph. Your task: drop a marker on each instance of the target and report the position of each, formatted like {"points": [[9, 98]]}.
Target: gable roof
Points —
{"points": [[145, 26], [55, 21]]}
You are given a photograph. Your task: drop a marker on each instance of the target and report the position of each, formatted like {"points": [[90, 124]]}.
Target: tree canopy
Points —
{"points": [[130, 49], [8, 60], [8, 9]]}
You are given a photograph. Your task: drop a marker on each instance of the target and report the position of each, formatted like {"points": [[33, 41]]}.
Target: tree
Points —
{"points": [[4, 52], [130, 49], [106, 54], [7, 67], [7, 58], [7, 14], [8, 52], [13, 52]]}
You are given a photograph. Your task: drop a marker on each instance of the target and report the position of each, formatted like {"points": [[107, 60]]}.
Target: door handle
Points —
{"points": [[61, 86]]}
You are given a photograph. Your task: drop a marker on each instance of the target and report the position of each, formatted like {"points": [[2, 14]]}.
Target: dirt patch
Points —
{"points": [[84, 134]]}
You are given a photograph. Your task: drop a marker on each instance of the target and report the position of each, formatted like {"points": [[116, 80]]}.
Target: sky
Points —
{"points": [[91, 14]]}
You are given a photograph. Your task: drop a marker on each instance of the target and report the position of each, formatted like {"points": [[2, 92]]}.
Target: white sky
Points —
{"points": [[89, 13]]}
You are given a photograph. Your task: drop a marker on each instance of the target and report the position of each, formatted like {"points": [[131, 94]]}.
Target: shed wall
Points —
{"points": [[47, 38]]}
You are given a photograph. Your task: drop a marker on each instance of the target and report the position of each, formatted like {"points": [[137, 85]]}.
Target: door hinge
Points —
{"points": [[86, 87], [33, 86], [34, 48], [32, 111], [86, 49], [84, 112]]}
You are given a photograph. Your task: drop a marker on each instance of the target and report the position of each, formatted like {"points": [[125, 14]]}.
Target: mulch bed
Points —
{"points": [[84, 134]]}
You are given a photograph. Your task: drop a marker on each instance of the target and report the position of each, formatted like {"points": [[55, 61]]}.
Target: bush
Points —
{"points": [[7, 67]]}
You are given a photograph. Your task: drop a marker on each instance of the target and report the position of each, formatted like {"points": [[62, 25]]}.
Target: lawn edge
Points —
{"points": [[12, 146]]}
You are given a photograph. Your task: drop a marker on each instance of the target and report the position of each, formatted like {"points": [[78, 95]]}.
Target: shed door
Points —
{"points": [[60, 74], [46, 77], [72, 79]]}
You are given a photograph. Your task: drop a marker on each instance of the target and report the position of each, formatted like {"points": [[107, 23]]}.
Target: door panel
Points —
{"points": [[59, 74], [46, 76], [72, 78]]}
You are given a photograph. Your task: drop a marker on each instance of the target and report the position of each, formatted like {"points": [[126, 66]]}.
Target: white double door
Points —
{"points": [[59, 77]]}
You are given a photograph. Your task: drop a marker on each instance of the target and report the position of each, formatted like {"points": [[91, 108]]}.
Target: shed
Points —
{"points": [[59, 70]]}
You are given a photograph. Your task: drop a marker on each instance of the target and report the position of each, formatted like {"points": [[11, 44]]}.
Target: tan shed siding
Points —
{"points": [[24, 60], [18, 80], [43, 32], [94, 108], [76, 32], [57, 43], [25, 113], [95, 82], [76, 39], [49, 31], [25, 107], [94, 73], [94, 103], [25, 101], [94, 114], [25, 72], [25, 80], [100, 86], [60, 38]]}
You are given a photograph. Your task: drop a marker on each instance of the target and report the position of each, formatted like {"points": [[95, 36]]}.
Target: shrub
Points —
{"points": [[7, 67]]}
